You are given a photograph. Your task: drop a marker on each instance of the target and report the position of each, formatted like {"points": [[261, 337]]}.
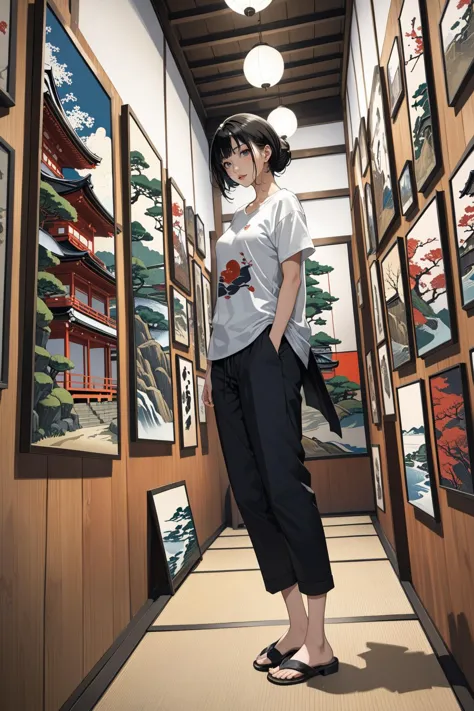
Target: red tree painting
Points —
{"points": [[449, 413], [427, 277]]}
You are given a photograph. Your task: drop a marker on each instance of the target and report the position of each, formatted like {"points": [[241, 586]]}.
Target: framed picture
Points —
{"points": [[378, 478], [190, 249], [7, 172], [200, 237], [363, 148], [180, 318], [190, 225], [360, 300], [335, 343], [382, 165], [179, 549], [394, 79], [207, 306], [186, 402], [395, 288], [201, 406], [377, 303], [456, 30], [178, 244], [151, 379], [417, 456], [432, 305], [8, 34], [70, 379], [471, 354], [374, 401], [462, 199], [371, 220], [420, 93], [199, 319], [191, 327], [406, 188], [452, 421], [386, 381]]}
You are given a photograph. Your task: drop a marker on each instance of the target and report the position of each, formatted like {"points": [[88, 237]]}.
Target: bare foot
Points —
{"points": [[309, 654], [292, 638]]}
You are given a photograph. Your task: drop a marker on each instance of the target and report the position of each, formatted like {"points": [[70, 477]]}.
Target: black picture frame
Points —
{"points": [[471, 357], [176, 342], [399, 246], [469, 425], [200, 381], [170, 186], [371, 219], [376, 448], [201, 248], [395, 100], [7, 237], [8, 95], [373, 398], [190, 224], [360, 298], [164, 582], [363, 148], [381, 330], [181, 357], [198, 301], [429, 453], [388, 415], [467, 305], [413, 206], [453, 95]]}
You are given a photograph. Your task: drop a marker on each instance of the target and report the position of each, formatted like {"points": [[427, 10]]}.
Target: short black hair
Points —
{"points": [[248, 129]]}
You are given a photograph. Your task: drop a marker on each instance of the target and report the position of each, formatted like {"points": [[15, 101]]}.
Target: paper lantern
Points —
{"points": [[283, 121], [263, 66], [248, 7]]}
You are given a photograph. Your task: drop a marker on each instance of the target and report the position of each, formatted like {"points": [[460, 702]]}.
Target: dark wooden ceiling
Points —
{"points": [[210, 42]]}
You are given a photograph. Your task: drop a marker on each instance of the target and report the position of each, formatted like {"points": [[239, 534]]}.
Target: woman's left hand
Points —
{"points": [[276, 343]]}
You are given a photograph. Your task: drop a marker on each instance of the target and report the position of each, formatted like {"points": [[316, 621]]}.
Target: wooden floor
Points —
{"points": [[198, 653]]}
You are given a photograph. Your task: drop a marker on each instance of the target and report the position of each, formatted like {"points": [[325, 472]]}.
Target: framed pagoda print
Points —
{"points": [[200, 237], [8, 30], [457, 43], [151, 379], [186, 402], [178, 244], [70, 371], [462, 199]]}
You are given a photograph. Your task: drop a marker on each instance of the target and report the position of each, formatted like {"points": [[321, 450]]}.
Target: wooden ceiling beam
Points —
{"points": [[269, 97], [292, 80], [283, 49], [295, 23], [206, 12]]}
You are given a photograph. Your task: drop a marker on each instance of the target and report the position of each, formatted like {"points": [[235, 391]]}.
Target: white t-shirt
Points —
{"points": [[249, 256]]}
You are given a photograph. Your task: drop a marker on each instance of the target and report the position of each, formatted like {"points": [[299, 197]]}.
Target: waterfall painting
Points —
{"points": [[457, 40], [179, 545], [419, 478]]}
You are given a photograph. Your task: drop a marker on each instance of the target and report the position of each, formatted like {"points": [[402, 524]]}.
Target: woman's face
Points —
{"points": [[239, 166]]}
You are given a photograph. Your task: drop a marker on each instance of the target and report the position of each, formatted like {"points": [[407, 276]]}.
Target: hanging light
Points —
{"points": [[283, 121], [247, 7], [263, 66]]}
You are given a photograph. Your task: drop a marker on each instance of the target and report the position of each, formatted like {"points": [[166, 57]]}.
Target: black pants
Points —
{"points": [[257, 403]]}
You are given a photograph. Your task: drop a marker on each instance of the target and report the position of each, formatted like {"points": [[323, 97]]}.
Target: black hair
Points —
{"points": [[248, 129]]}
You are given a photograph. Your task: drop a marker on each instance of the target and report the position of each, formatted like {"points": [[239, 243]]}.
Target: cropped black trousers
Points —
{"points": [[257, 404]]}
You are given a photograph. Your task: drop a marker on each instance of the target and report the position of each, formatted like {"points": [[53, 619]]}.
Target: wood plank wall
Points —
{"points": [[441, 557], [73, 538]]}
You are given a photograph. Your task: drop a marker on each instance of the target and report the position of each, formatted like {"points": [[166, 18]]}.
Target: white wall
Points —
{"points": [[381, 12], [324, 134], [202, 182]]}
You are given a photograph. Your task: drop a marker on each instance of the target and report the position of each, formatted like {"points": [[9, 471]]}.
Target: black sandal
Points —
{"points": [[305, 670], [274, 655]]}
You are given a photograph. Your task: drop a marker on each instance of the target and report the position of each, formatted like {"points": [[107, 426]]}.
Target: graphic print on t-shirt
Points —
{"points": [[234, 277]]}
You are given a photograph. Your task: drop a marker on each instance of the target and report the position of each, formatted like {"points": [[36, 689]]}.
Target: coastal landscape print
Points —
{"points": [[416, 453], [397, 307], [75, 374], [420, 109], [457, 35], [453, 425], [330, 313], [153, 389], [176, 528], [428, 282], [462, 194]]}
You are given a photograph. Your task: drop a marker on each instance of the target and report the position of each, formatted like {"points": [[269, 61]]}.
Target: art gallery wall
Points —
{"points": [[438, 555]]}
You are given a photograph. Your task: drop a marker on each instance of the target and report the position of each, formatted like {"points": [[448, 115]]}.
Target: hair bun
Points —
{"points": [[284, 156]]}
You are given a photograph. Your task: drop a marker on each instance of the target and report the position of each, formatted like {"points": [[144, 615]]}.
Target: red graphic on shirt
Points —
{"points": [[246, 227], [234, 277]]}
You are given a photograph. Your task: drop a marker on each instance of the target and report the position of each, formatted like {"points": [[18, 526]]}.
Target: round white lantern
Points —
{"points": [[283, 121], [247, 7], [263, 66]]}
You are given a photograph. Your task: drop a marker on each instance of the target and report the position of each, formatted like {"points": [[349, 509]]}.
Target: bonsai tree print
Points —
{"points": [[318, 301]]}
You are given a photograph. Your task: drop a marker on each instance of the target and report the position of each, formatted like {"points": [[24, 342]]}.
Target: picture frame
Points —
{"points": [[8, 44], [395, 289], [7, 172], [379, 318], [420, 89], [200, 237], [378, 478], [363, 148], [177, 550], [178, 244], [372, 388], [360, 298], [471, 354], [371, 219], [190, 249], [394, 79], [386, 383], [456, 47], [461, 185], [382, 163], [420, 482], [58, 306], [201, 406], [406, 189], [190, 224], [199, 320], [179, 311], [186, 402], [452, 422], [191, 327], [207, 307], [432, 302], [149, 308]]}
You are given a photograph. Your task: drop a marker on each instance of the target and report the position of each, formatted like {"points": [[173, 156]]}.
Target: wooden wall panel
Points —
{"points": [[342, 485]]}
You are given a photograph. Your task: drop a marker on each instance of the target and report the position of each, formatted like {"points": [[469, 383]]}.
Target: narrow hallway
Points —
{"points": [[198, 653]]}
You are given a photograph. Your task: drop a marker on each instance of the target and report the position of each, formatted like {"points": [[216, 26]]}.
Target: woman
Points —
{"points": [[259, 357]]}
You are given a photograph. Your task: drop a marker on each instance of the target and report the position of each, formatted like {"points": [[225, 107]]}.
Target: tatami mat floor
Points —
{"points": [[198, 653]]}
